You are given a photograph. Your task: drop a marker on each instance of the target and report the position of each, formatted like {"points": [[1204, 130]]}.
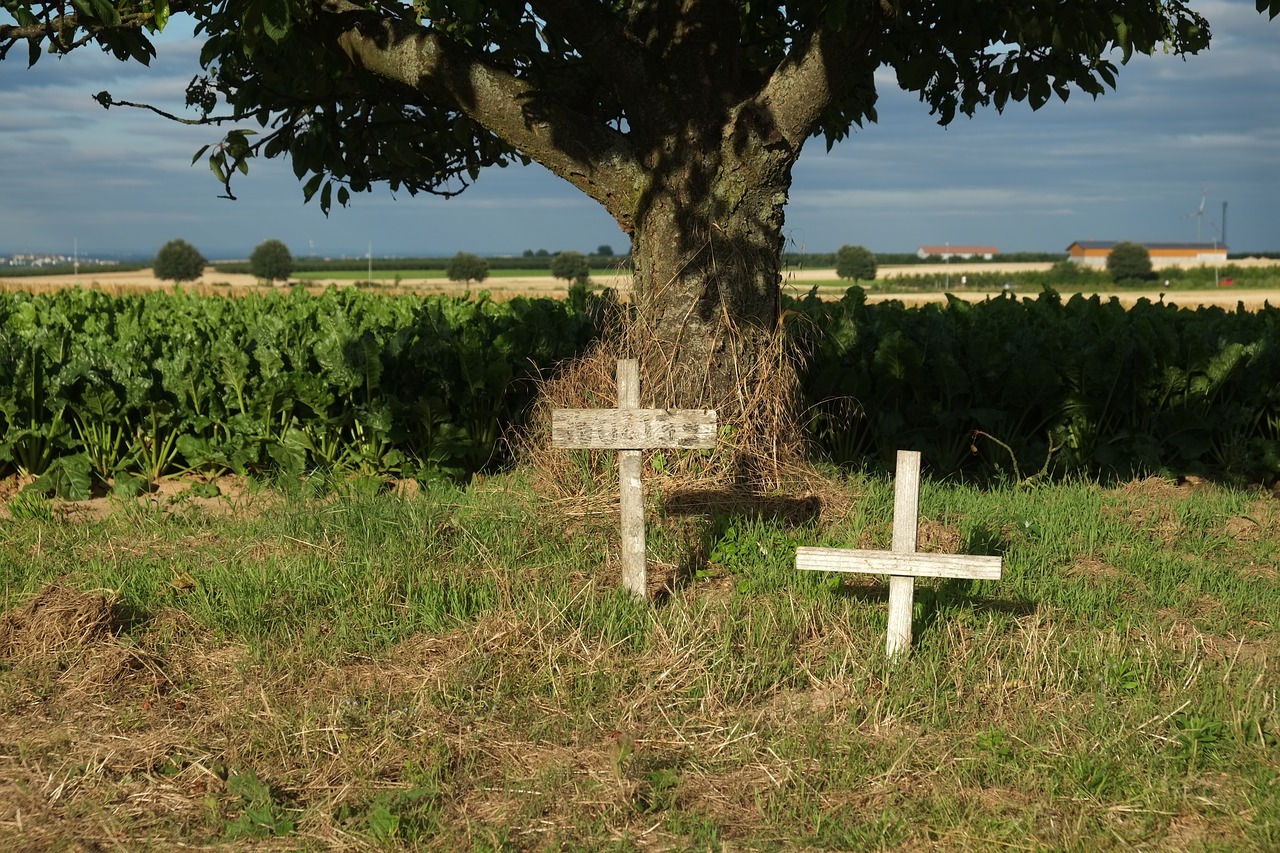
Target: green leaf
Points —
{"points": [[129, 486], [217, 163], [67, 477], [383, 823], [106, 12], [1123, 37], [310, 187], [162, 14]]}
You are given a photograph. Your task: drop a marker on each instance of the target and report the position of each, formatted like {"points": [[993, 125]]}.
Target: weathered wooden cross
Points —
{"points": [[903, 564], [629, 430]]}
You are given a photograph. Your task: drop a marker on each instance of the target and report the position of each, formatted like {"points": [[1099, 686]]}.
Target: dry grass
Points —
{"points": [[761, 454]]}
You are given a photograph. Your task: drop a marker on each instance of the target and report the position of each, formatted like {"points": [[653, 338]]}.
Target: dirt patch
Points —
{"points": [[229, 495], [1261, 517], [1093, 570], [937, 538], [11, 486], [88, 716], [1152, 505]]}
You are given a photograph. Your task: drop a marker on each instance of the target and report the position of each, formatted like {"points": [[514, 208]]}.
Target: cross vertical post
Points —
{"points": [[630, 488], [906, 528]]}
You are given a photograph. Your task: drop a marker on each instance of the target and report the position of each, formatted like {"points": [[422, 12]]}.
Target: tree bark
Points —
{"points": [[707, 247]]}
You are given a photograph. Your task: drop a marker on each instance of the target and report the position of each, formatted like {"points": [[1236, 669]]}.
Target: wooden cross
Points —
{"points": [[903, 564], [629, 430]]}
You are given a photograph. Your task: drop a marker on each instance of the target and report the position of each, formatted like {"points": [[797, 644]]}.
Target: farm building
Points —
{"points": [[947, 252], [1095, 252]]}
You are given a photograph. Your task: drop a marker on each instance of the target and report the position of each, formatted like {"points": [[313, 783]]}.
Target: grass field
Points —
{"points": [[322, 667]]}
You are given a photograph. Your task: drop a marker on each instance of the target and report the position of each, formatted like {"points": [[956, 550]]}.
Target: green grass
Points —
{"points": [[458, 670]]}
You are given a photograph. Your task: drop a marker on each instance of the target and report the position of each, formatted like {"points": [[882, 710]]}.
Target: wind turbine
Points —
{"points": [[1200, 212]]}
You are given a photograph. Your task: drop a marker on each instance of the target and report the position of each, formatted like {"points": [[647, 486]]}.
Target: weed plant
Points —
{"points": [[335, 667]]}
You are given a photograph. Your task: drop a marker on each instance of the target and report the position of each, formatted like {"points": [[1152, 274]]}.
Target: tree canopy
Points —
{"points": [[855, 262], [424, 95], [271, 260], [571, 266], [683, 118], [466, 267], [1129, 261], [178, 260]]}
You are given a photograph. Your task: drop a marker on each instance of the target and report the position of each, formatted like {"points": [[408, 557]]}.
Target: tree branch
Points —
{"points": [[593, 157], [53, 27], [816, 75]]}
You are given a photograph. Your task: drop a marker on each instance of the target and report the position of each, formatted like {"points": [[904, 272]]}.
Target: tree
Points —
{"points": [[571, 266], [1129, 262], [1066, 271], [466, 267], [855, 262], [272, 261], [683, 119], [604, 250], [178, 260]]}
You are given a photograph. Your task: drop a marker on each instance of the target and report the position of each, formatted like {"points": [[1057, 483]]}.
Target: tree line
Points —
{"points": [[178, 261]]}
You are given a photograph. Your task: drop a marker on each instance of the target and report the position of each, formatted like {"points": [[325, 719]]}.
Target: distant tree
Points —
{"points": [[272, 261], [571, 266], [855, 262], [466, 267], [1066, 271], [1129, 261], [528, 253], [604, 250], [541, 253], [178, 260]]}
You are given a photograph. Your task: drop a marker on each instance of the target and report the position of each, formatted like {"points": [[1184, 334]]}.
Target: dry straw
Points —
{"points": [[761, 454]]}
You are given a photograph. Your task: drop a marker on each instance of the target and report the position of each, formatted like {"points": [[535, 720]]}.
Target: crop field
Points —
{"points": [[314, 665]]}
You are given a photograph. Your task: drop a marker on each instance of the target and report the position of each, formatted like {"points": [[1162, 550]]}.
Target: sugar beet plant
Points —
{"points": [[124, 389], [1029, 385], [102, 389]]}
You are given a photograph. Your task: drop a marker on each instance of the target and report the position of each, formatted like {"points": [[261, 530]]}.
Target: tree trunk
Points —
{"points": [[707, 248]]}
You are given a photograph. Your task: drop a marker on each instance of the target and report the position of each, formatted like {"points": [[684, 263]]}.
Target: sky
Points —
{"points": [[1134, 164]]}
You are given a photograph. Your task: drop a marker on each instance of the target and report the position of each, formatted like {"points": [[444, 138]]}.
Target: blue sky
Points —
{"points": [[1132, 165]]}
